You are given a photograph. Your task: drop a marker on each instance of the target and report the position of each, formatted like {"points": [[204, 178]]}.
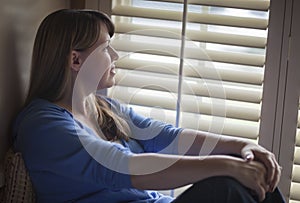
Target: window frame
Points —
{"points": [[281, 89]]}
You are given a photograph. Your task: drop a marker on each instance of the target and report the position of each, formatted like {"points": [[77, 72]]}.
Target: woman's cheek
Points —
{"points": [[93, 70], [106, 80]]}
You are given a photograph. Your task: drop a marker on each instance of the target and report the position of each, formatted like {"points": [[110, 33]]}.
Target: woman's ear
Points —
{"points": [[76, 61]]}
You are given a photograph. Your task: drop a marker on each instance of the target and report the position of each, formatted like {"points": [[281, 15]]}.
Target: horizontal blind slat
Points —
{"points": [[295, 188], [232, 127], [234, 21], [213, 19], [203, 122], [146, 13], [195, 35], [192, 53], [226, 57], [190, 103], [203, 87], [297, 155], [229, 39], [246, 75], [167, 116], [298, 119], [296, 173], [261, 5], [298, 138]]}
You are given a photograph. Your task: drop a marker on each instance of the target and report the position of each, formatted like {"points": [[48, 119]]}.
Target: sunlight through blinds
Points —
{"points": [[222, 69]]}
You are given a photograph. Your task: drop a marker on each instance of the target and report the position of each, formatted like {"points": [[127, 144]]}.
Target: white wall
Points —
{"points": [[18, 24]]}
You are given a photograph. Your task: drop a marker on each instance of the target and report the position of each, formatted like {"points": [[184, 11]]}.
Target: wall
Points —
{"points": [[18, 24]]}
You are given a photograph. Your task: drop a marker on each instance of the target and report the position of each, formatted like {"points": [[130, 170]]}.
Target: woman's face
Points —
{"points": [[109, 56], [98, 67]]}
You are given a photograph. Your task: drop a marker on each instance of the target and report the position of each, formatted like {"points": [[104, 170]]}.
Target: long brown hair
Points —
{"points": [[59, 33], [112, 126]]}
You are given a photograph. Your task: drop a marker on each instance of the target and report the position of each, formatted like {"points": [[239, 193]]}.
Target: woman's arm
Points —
{"points": [[157, 171], [192, 142]]}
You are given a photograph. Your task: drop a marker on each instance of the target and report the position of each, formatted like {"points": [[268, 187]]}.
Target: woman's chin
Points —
{"points": [[108, 85]]}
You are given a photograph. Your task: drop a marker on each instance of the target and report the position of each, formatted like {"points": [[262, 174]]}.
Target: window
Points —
{"points": [[198, 65], [195, 65]]}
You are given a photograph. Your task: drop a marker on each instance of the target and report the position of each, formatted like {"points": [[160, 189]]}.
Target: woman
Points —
{"points": [[80, 147]]}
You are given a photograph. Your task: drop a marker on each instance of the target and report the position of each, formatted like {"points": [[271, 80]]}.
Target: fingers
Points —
{"points": [[261, 193], [257, 178], [262, 186], [273, 169], [270, 164], [275, 183], [264, 172], [248, 155], [268, 160], [277, 173]]}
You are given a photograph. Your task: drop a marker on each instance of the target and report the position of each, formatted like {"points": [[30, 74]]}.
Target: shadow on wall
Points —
{"points": [[18, 24], [10, 81]]}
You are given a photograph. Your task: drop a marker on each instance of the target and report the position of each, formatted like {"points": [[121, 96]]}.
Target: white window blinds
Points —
{"points": [[198, 64], [295, 185]]}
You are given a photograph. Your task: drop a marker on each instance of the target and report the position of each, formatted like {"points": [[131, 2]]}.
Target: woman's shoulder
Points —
{"points": [[41, 122], [40, 111], [42, 108]]}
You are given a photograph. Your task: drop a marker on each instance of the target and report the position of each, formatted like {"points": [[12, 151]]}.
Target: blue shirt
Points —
{"points": [[68, 162]]}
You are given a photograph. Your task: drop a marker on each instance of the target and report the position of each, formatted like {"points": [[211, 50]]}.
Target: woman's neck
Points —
{"points": [[76, 103]]}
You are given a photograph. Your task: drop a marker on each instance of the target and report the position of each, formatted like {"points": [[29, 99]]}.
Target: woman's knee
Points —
{"points": [[217, 189]]}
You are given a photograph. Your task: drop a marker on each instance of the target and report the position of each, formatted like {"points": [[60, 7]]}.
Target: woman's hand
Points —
{"points": [[251, 174], [255, 152]]}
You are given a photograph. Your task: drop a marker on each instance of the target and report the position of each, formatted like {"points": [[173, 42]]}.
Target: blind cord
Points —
{"points": [[181, 64]]}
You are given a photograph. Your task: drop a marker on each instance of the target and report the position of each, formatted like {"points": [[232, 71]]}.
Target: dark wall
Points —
{"points": [[18, 24]]}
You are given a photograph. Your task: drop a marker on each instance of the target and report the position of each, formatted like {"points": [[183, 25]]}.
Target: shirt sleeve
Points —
{"points": [[153, 135]]}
